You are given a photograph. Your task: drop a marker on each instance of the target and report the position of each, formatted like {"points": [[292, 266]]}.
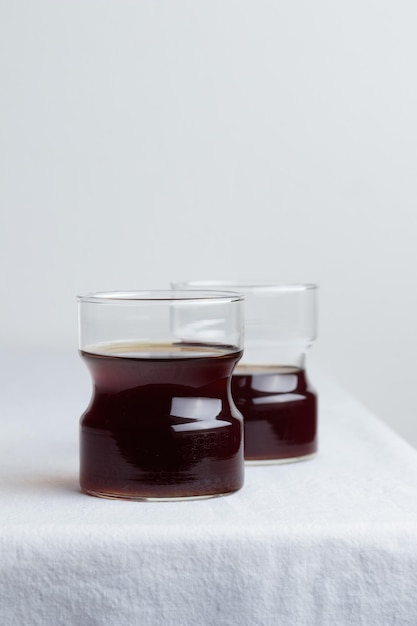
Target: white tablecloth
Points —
{"points": [[331, 541]]}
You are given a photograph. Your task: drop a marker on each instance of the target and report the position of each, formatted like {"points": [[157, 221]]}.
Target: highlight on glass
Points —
{"points": [[161, 424], [270, 385]]}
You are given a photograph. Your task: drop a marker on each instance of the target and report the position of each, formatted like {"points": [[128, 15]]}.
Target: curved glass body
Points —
{"points": [[270, 385], [161, 423]]}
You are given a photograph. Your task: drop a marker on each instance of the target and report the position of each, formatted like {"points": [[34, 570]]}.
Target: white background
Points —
{"points": [[145, 141]]}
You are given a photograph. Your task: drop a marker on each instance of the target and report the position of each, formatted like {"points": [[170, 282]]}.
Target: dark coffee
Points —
{"points": [[160, 423], [279, 411]]}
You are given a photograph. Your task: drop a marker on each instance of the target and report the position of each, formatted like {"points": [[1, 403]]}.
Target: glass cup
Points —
{"points": [[270, 385], [161, 424]]}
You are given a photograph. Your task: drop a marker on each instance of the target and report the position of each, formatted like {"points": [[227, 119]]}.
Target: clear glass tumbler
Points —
{"points": [[161, 423], [270, 385]]}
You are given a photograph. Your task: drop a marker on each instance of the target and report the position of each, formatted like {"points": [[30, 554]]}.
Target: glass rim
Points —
{"points": [[160, 295], [261, 285]]}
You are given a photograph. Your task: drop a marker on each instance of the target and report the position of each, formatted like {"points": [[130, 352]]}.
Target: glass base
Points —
{"points": [[133, 498], [296, 459]]}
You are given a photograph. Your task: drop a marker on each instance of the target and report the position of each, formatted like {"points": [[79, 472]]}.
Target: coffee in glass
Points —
{"points": [[270, 385], [161, 424]]}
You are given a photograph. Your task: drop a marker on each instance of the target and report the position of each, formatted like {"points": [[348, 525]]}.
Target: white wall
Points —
{"points": [[147, 141]]}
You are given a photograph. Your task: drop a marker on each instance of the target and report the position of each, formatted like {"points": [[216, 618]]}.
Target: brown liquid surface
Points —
{"points": [[279, 411], [161, 423]]}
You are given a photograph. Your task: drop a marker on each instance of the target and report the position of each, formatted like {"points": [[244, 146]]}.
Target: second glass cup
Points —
{"points": [[161, 424], [270, 385]]}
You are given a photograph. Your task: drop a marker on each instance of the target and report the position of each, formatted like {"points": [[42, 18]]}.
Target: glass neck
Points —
{"points": [[272, 354]]}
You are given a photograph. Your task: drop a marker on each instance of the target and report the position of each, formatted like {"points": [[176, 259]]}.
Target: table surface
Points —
{"points": [[331, 541]]}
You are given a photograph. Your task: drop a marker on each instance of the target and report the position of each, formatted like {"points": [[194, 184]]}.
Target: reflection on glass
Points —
{"points": [[197, 414]]}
